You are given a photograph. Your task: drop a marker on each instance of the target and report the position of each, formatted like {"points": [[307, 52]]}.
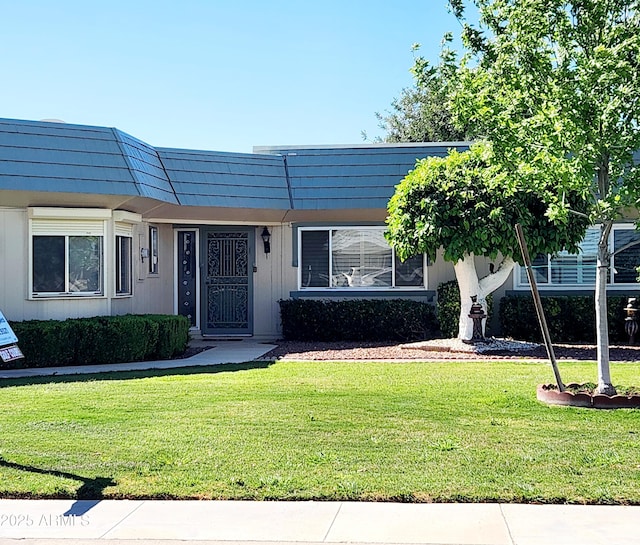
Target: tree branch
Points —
{"points": [[492, 282], [625, 247], [579, 214]]}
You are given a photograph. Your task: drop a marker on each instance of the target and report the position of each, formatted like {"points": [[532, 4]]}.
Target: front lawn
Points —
{"points": [[317, 430]]}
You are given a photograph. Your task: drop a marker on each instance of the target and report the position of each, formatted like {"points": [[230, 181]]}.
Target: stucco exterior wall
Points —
{"points": [[273, 279], [152, 293], [13, 262], [438, 272]]}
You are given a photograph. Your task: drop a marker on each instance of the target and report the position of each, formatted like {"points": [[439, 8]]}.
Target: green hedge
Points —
{"points": [[99, 340], [569, 318], [173, 335], [357, 320], [448, 309]]}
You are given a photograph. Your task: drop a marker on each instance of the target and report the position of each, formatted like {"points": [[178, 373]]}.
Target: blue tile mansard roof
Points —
{"points": [[55, 157], [44, 157], [348, 177], [235, 180], [146, 168]]}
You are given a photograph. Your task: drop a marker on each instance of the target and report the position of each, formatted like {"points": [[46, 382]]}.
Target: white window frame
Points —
{"points": [[123, 259], [518, 272], [123, 232], [154, 243], [348, 289], [67, 222], [615, 229]]}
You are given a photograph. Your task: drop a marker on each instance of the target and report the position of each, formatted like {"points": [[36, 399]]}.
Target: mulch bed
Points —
{"points": [[400, 351]]}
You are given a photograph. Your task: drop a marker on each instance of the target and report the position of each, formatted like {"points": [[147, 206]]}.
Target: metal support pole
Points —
{"points": [[538, 304]]}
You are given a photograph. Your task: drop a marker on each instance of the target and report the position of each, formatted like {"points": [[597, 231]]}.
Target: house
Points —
{"points": [[96, 222]]}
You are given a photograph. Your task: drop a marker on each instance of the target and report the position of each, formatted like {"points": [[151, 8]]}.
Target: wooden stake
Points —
{"points": [[538, 304]]}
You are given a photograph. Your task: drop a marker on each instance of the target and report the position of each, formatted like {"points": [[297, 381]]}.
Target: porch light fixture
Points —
{"points": [[266, 240]]}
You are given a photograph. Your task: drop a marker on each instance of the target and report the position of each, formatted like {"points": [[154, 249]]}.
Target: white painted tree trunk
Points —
{"points": [[469, 285], [602, 326]]}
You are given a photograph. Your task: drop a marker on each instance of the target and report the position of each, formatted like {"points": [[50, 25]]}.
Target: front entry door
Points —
{"points": [[227, 280]]}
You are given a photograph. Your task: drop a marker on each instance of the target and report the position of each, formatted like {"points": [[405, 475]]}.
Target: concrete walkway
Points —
{"points": [[233, 522], [222, 352]]}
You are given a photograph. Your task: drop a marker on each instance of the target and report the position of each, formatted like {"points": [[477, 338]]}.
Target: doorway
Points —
{"points": [[227, 281]]}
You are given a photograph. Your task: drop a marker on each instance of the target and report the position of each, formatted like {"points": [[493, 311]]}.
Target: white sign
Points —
{"points": [[7, 336], [10, 353]]}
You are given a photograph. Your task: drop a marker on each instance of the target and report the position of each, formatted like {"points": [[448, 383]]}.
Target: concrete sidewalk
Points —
{"points": [[222, 352], [45, 521]]}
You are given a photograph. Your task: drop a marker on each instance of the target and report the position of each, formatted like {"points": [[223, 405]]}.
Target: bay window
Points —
{"points": [[66, 252], [76, 252], [354, 257], [66, 264]]}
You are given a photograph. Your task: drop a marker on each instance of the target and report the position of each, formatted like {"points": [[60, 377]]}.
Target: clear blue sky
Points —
{"points": [[219, 74]]}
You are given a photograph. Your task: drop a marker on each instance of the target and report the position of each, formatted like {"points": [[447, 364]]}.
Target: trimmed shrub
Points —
{"points": [[357, 320], [45, 341], [448, 309], [115, 339], [99, 340], [173, 335], [569, 318]]}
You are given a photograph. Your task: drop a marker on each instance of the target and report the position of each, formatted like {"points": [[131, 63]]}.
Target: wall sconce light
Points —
{"points": [[144, 254], [266, 240]]}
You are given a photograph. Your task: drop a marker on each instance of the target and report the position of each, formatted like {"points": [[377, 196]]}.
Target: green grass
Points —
{"points": [[317, 430]]}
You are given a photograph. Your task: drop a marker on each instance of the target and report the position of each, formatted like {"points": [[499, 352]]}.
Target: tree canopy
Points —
{"points": [[555, 86], [420, 114], [466, 205]]}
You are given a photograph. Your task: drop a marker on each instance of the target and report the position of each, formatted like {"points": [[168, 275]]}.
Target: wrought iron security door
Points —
{"points": [[228, 286]]}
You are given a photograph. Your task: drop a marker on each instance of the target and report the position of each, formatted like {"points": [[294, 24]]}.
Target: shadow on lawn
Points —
{"points": [[91, 489], [125, 375]]}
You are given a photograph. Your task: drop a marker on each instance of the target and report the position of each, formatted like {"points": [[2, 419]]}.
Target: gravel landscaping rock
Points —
{"points": [[443, 349]]}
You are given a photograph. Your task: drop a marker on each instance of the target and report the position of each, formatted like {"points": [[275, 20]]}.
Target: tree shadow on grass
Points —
{"points": [[91, 489], [127, 375]]}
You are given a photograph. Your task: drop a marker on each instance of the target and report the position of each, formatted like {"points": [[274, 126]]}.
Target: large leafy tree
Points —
{"points": [[468, 206], [555, 86], [420, 114]]}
